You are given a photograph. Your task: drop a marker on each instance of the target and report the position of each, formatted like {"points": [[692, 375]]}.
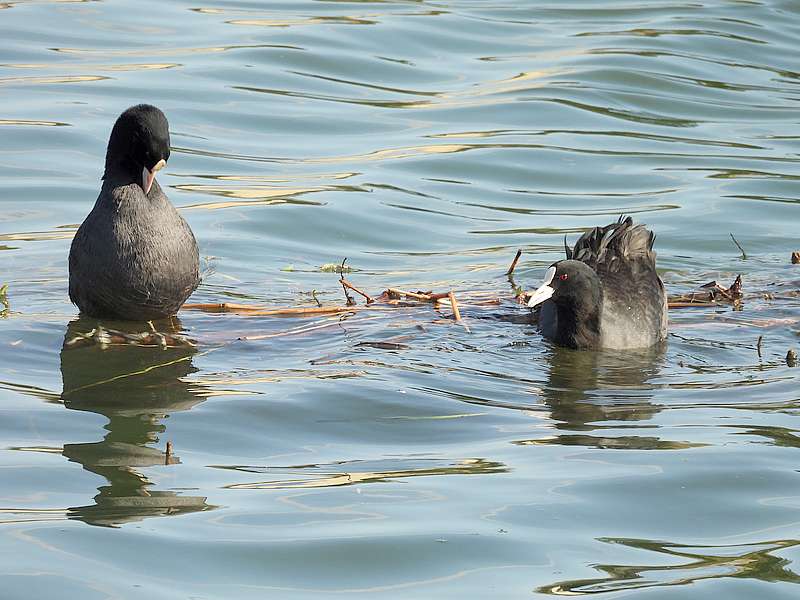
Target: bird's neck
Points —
{"points": [[121, 173], [579, 323], [119, 192]]}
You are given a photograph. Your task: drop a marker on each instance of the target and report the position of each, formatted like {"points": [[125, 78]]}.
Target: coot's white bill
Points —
{"points": [[149, 176], [545, 291]]}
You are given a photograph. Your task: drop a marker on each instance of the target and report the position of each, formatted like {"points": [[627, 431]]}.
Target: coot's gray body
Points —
{"points": [[607, 293], [134, 257]]}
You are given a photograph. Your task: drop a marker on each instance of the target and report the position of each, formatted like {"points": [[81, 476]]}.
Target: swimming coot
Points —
{"points": [[134, 258], [606, 294]]}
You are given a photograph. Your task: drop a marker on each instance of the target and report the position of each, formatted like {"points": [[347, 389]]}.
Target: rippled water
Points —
{"points": [[426, 142]]}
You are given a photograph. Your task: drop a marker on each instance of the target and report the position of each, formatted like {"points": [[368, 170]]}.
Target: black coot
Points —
{"points": [[134, 258], [606, 294]]}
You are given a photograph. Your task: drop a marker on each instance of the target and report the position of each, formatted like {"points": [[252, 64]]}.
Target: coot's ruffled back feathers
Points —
{"points": [[618, 246]]}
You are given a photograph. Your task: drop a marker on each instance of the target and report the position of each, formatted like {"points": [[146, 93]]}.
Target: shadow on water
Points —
{"points": [[136, 388]]}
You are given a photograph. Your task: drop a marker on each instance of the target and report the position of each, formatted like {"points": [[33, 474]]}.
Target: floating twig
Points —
{"points": [[222, 307], [347, 297], [732, 295], [690, 303], [303, 311], [386, 301], [423, 296], [454, 304], [350, 286], [514, 263], [758, 345], [456, 312], [738, 245], [262, 311]]}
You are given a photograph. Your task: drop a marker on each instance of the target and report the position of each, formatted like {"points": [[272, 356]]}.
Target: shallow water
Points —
{"points": [[425, 142]]}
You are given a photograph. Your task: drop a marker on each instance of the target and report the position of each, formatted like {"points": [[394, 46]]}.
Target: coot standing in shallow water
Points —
{"points": [[134, 258], [607, 293]]}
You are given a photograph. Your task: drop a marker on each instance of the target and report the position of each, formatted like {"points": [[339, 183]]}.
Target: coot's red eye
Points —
{"points": [[563, 277]]}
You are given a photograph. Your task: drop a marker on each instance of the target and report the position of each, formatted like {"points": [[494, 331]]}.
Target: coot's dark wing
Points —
{"points": [[621, 246], [635, 303]]}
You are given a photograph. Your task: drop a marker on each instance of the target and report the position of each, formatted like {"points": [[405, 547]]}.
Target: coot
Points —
{"points": [[606, 294], [134, 258]]}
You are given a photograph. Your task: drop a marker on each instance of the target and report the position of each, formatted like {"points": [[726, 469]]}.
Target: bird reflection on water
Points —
{"points": [[580, 385], [584, 389], [136, 388]]}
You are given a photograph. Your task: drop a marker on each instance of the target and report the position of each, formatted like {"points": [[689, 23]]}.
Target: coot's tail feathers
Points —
{"points": [[622, 243]]}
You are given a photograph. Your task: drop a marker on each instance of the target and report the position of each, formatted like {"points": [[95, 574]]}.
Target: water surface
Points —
{"points": [[426, 142]]}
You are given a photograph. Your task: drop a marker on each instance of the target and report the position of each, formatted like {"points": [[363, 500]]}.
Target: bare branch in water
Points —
{"points": [[346, 284], [715, 295], [514, 263], [456, 312], [738, 245], [347, 297]]}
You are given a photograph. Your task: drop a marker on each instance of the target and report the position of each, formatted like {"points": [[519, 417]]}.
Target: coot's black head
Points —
{"points": [[139, 145], [577, 293]]}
